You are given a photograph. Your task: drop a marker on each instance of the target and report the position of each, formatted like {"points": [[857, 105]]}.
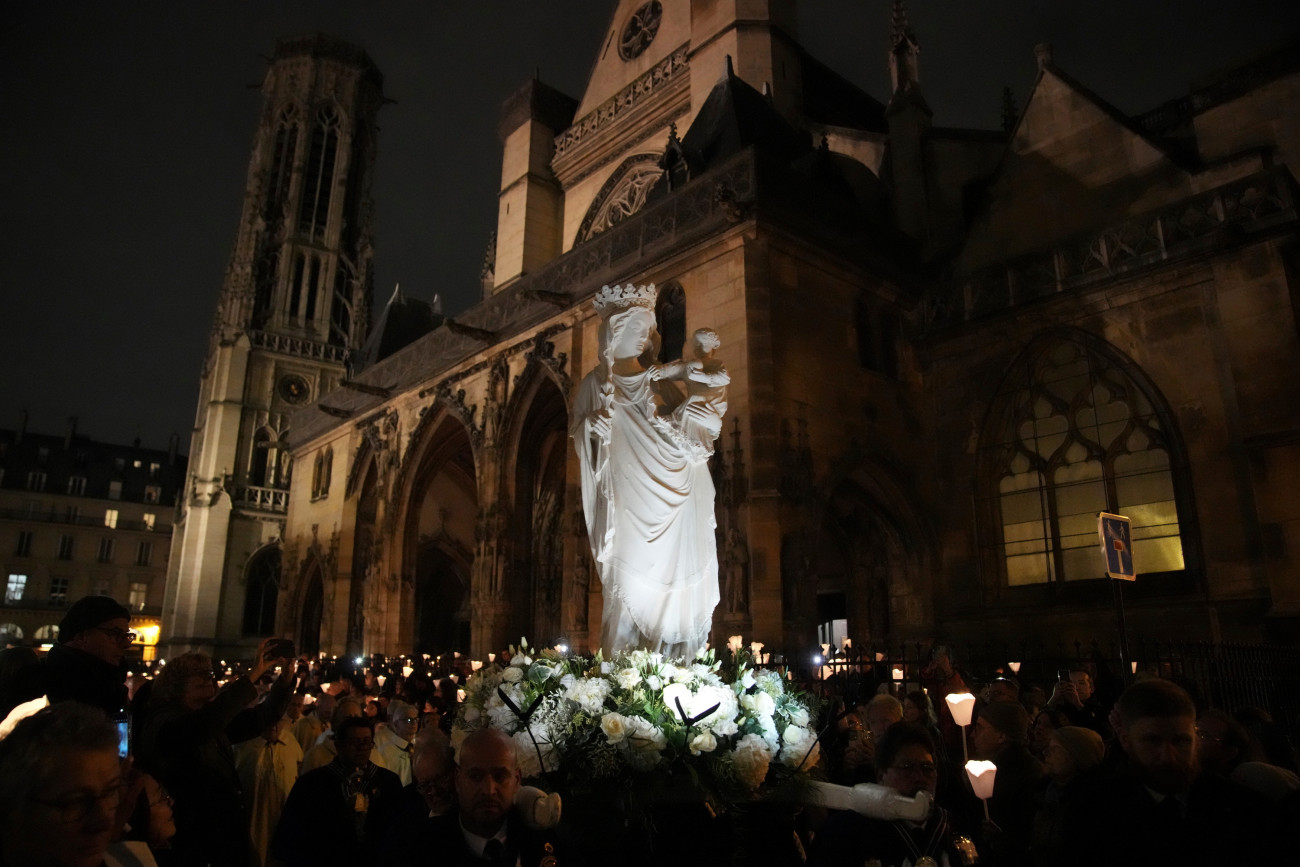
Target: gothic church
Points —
{"points": [[949, 350]]}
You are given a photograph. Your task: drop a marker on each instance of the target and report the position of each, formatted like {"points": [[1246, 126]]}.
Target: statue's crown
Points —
{"points": [[611, 299]]}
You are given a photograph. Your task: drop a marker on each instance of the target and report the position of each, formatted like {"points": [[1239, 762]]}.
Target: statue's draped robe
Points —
{"points": [[648, 500]]}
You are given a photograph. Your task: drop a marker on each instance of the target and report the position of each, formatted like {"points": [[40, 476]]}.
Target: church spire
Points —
{"points": [[904, 69]]}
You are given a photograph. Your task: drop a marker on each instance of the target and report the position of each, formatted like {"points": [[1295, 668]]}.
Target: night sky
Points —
{"points": [[127, 127]]}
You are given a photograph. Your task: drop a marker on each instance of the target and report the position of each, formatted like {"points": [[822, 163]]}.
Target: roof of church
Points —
{"points": [[734, 117], [402, 322]]}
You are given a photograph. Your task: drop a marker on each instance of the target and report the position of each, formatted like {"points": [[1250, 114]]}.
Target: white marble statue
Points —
{"points": [[646, 491]]}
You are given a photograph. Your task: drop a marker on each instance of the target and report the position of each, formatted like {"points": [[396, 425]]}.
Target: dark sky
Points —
{"points": [[126, 127]]}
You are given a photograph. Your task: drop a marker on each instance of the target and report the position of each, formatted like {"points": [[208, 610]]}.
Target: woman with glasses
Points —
{"points": [[60, 788], [187, 745]]}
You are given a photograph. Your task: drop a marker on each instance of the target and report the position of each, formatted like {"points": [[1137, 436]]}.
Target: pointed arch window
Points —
{"points": [[281, 171], [670, 317], [1079, 434], [261, 592], [318, 176]]}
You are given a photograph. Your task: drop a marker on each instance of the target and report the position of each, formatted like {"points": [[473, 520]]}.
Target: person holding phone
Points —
{"points": [[187, 745]]}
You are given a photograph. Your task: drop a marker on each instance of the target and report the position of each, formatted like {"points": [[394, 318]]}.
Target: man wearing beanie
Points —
{"points": [[87, 664], [1001, 735]]}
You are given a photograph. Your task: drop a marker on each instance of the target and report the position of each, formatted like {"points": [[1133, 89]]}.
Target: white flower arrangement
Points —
{"points": [[732, 726]]}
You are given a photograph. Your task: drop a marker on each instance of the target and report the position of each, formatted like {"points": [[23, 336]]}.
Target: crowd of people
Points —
{"points": [[277, 767]]}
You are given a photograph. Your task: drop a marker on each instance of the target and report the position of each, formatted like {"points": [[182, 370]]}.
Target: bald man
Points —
{"points": [[484, 827]]}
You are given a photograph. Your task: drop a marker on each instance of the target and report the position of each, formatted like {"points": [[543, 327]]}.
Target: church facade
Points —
{"points": [[949, 350]]}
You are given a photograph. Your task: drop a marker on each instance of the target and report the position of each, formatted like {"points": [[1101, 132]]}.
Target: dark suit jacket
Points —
{"points": [[319, 823], [440, 841]]}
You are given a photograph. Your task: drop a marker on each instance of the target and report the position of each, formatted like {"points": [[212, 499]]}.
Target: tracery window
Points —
{"points": [[318, 176], [621, 196], [281, 171], [1078, 434], [261, 592]]}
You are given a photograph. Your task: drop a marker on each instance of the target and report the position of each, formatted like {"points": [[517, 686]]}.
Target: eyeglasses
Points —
{"points": [[1206, 736], [121, 636], [75, 808], [164, 797], [407, 719], [926, 768]]}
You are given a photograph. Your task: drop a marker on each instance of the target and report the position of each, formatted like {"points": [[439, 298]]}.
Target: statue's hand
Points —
{"points": [[598, 425]]}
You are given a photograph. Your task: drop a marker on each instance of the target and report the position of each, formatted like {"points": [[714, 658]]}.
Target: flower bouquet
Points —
{"points": [[639, 729]]}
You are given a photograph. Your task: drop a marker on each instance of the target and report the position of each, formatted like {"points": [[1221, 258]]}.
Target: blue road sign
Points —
{"points": [[1116, 545]]}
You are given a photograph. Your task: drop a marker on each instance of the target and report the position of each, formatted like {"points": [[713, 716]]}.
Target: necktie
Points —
{"points": [[494, 852]]}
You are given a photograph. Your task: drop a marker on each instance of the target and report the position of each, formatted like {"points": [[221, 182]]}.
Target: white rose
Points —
{"points": [[747, 679], [759, 704], [644, 735], [798, 715], [628, 678], [799, 747], [614, 726], [513, 675], [654, 682], [704, 742], [606, 667]]}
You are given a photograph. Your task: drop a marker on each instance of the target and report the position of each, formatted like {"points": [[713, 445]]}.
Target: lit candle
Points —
{"points": [[962, 705], [1015, 667], [981, 776], [475, 664], [898, 674]]}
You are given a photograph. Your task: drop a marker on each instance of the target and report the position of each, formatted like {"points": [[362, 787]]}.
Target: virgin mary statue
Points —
{"points": [[646, 490]]}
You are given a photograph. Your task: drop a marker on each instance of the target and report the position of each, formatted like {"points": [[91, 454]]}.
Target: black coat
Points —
{"points": [[439, 841], [190, 752], [319, 823], [68, 674]]}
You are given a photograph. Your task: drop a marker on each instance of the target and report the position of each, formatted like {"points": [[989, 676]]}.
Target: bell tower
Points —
{"points": [[294, 305]]}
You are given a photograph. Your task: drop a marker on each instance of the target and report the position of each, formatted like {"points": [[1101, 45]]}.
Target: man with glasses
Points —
{"points": [[393, 742], [337, 814], [88, 662], [905, 760]]}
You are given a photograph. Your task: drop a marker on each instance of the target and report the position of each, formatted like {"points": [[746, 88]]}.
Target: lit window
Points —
{"points": [[10, 632], [36, 481], [1080, 436], [48, 632], [115, 490], [24, 546], [155, 469], [77, 486], [152, 493], [137, 464], [65, 547], [149, 519], [144, 554], [14, 591], [110, 518], [59, 591], [105, 551], [139, 592]]}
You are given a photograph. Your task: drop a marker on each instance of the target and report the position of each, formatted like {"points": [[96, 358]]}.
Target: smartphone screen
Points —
{"points": [[123, 738]]}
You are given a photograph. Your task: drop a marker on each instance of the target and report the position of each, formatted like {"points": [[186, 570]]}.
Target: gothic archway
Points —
{"points": [[438, 519], [535, 585], [261, 590], [312, 611]]}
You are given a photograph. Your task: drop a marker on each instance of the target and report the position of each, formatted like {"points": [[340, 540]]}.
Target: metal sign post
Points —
{"points": [[1115, 532]]}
